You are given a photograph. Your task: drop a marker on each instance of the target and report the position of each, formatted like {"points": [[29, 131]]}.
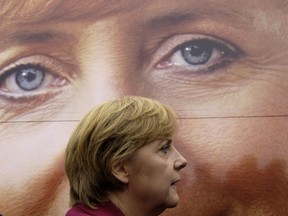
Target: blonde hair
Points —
{"points": [[111, 133]]}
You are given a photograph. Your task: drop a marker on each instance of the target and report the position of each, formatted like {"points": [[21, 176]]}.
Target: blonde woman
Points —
{"points": [[121, 160]]}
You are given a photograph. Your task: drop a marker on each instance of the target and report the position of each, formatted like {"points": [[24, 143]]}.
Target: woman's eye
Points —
{"points": [[30, 77], [198, 55], [165, 148]]}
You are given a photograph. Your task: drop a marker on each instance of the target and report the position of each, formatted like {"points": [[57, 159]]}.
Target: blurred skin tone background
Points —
{"points": [[222, 65]]}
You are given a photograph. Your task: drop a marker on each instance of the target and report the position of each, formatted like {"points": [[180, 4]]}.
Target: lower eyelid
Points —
{"points": [[15, 105], [23, 106]]}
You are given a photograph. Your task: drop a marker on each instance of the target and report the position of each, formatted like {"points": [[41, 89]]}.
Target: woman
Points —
{"points": [[120, 160]]}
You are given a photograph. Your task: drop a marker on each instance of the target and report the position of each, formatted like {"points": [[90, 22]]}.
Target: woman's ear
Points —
{"points": [[120, 172]]}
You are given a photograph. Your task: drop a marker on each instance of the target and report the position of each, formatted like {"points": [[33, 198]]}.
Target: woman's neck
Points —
{"points": [[132, 206]]}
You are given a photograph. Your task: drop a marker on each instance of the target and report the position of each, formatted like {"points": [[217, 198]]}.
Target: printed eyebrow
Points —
{"points": [[170, 20], [30, 37], [193, 15], [33, 37]]}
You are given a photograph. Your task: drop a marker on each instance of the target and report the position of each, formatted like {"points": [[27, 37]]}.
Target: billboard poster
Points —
{"points": [[222, 65]]}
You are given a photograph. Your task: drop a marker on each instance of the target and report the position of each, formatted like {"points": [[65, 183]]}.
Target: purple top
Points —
{"points": [[106, 209]]}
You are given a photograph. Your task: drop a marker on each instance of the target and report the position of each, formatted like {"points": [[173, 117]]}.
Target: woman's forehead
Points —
{"points": [[43, 10], [71, 10]]}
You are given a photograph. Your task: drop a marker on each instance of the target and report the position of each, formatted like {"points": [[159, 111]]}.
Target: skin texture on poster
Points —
{"points": [[222, 65]]}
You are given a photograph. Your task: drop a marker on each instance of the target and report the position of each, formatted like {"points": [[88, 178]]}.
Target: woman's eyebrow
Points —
{"points": [[30, 37], [168, 20], [195, 14]]}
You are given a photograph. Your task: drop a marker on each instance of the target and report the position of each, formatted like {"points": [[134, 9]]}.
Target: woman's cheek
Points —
{"points": [[223, 143], [36, 195], [34, 168], [233, 164]]}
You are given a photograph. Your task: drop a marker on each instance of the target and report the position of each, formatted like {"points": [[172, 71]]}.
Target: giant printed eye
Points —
{"points": [[199, 55], [32, 78], [30, 82]]}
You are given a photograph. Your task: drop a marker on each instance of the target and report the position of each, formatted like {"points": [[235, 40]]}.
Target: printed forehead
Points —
{"points": [[55, 10], [28, 11]]}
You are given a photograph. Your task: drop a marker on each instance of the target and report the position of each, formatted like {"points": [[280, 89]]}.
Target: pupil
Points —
{"points": [[195, 50], [29, 75]]}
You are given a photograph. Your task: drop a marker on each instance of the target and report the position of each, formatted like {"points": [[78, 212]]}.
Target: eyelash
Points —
{"points": [[208, 53], [30, 77], [165, 148]]}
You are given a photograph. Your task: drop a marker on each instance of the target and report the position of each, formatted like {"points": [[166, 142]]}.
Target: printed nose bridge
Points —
{"points": [[110, 59], [98, 88], [111, 75], [102, 81]]}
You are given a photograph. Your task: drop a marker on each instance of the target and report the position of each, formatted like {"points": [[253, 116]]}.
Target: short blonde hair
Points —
{"points": [[111, 133]]}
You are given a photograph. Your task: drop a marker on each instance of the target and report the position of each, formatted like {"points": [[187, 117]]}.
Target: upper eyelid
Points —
{"points": [[53, 46], [216, 44], [54, 66], [168, 143]]}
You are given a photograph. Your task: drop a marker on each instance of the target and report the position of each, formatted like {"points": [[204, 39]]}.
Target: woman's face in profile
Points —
{"points": [[221, 64], [153, 172]]}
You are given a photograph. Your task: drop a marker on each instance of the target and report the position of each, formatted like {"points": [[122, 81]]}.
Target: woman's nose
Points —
{"points": [[180, 162]]}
